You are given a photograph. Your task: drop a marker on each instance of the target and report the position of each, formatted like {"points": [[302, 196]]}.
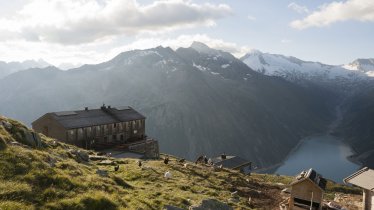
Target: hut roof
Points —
{"points": [[231, 162], [312, 176], [92, 117], [363, 178]]}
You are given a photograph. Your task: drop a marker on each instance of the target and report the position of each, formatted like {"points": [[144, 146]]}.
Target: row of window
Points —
{"points": [[104, 129]]}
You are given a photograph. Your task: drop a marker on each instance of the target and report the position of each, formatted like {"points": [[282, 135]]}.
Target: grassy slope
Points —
{"points": [[51, 178]]}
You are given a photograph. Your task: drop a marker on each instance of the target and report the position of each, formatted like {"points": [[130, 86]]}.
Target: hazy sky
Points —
{"points": [[92, 31]]}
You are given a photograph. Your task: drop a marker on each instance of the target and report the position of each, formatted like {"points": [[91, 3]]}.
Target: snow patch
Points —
{"points": [[225, 66], [201, 68]]}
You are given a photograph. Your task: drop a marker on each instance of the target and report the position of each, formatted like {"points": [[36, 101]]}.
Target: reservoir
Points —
{"points": [[324, 153]]}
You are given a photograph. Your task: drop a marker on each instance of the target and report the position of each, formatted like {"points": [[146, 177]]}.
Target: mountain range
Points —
{"points": [[197, 100], [7, 68]]}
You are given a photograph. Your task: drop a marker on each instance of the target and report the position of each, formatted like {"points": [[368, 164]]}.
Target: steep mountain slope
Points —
{"points": [[357, 125], [195, 102], [55, 175], [11, 67], [353, 84]]}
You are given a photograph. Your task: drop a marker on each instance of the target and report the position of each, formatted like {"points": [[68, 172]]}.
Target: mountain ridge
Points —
{"points": [[196, 103]]}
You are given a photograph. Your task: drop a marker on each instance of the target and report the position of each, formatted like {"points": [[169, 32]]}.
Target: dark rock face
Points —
{"points": [[197, 102], [357, 125]]}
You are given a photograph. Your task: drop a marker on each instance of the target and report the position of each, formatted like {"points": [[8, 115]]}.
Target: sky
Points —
{"points": [[74, 32]]}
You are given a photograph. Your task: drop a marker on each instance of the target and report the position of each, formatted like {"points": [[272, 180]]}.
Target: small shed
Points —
{"points": [[233, 162], [307, 191], [364, 179]]}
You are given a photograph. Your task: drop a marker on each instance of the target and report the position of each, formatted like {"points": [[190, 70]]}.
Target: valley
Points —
{"points": [[197, 100]]}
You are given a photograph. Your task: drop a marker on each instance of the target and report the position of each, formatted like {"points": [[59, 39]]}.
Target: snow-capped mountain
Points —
{"points": [[197, 100], [363, 65], [7, 68], [216, 62], [296, 70]]}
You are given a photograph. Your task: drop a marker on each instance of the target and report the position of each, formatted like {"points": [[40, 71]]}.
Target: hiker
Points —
{"points": [[205, 160], [166, 160], [139, 163], [116, 168], [199, 159]]}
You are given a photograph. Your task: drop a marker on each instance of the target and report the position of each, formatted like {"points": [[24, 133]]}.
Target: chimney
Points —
{"points": [[86, 109], [103, 107], [108, 107], [223, 156]]}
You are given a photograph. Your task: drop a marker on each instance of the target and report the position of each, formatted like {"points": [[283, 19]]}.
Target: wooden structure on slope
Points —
{"points": [[307, 191], [233, 162], [364, 179]]}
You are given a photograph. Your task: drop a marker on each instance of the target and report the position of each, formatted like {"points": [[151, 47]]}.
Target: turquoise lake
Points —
{"points": [[326, 154]]}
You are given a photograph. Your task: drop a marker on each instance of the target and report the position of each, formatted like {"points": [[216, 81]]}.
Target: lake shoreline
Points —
{"points": [[272, 169]]}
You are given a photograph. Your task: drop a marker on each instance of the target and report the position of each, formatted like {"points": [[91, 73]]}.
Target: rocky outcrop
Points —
{"points": [[21, 134], [31, 138]]}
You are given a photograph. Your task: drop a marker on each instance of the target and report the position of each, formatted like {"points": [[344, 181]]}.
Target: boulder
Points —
{"points": [[83, 155], [97, 157], [30, 138], [106, 162], [6, 124], [102, 173], [211, 204]]}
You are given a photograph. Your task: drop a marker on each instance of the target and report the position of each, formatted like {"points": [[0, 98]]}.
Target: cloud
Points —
{"points": [[360, 10], [251, 18], [84, 21], [298, 8], [286, 41], [101, 51]]}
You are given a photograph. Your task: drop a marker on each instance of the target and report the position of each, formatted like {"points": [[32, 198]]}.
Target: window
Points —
{"points": [[114, 125], [135, 131], [71, 135], [114, 137], [105, 128], [80, 133], [139, 123], [98, 130], [88, 131]]}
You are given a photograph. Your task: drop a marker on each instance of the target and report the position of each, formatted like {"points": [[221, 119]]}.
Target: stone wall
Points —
{"points": [[149, 148]]}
